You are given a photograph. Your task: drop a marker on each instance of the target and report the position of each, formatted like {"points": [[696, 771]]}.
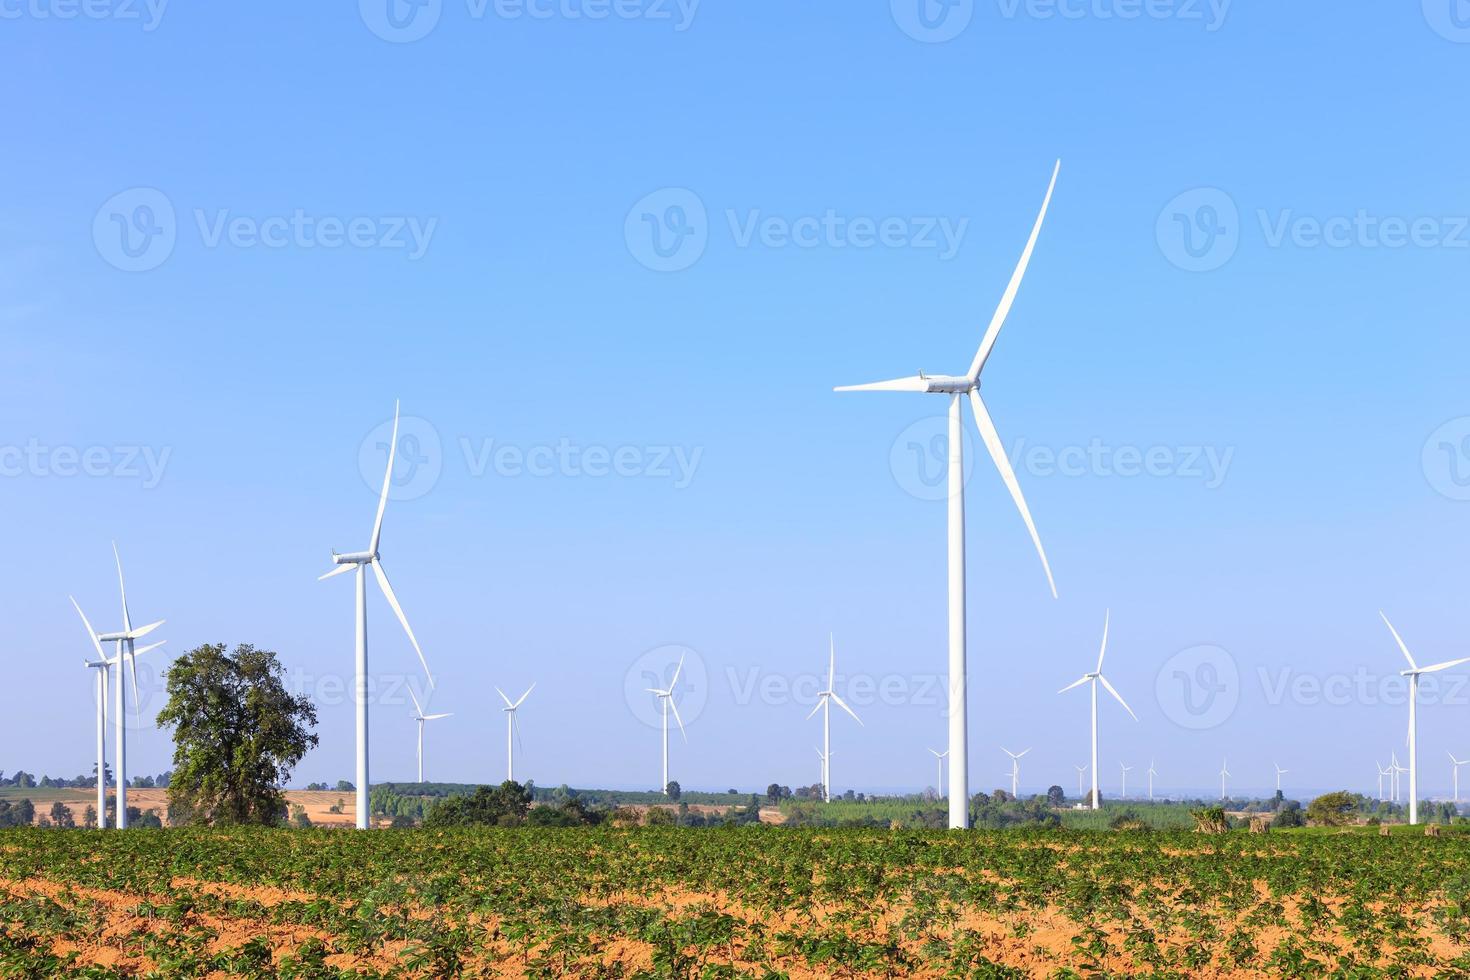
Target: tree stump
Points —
{"points": [[1260, 825], [1431, 830]]}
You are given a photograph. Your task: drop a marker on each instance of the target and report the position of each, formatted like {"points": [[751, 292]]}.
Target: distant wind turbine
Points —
{"points": [[512, 727], [361, 561], [666, 698], [956, 389], [1151, 775], [1456, 770], [1279, 773], [939, 758], [1015, 770], [1124, 795], [1397, 770], [1094, 678], [1081, 770], [420, 717], [1224, 771], [1413, 674], [824, 703], [1381, 773]]}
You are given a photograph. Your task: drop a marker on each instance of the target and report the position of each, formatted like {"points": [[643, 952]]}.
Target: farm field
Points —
{"points": [[749, 902]]}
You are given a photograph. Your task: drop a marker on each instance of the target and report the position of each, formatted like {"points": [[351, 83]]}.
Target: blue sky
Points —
{"points": [[1253, 275]]}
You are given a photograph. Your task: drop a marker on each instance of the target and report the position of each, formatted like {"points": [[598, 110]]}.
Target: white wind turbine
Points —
{"points": [[955, 389], [1124, 795], [1151, 775], [1397, 770], [1080, 771], [1015, 770], [939, 758], [1279, 773], [512, 727], [1224, 772], [666, 699], [361, 561], [1413, 675], [824, 705], [822, 767], [1095, 678], [1381, 773], [103, 664], [420, 717], [1456, 772], [126, 650]]}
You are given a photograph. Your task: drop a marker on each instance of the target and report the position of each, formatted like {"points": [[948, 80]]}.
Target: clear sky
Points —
{"points": [[1235, 380]]}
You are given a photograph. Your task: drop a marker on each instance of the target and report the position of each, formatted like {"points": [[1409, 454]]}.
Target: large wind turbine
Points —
{"points": [[511, 726], [1015, 770], [824, 705], [126, 650], [361, 561], [939, 758], [666, 698], [1224, 771], [955, 389], [1094, 678], [420, 717], [1456, 772], [1413, 675]]}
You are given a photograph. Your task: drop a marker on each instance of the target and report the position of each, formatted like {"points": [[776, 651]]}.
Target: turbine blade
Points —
{"points": [[524, 696], [1400, 641], [143, 631], [336, 571], [1114, 693], [507, 700], [387, 484], [133, 673], [675, 708], [916, 383], [152, 646], [1014, 286], [91, 634], [447, 714], [1077, 683], [675, 682], [418, 709], [1445, 666], [398, 611], [1008, 475], [122, 587], [1022, 752], [1107, 620], [843, 705], [831, 661], [817, 707]]}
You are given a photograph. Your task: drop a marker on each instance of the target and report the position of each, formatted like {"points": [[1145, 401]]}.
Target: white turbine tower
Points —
{"points": [[1224, 772], [1397, 770], [822, 768], [1455, 769], [1413, 675], [1151, 775], [361, 561], [1124, 795], [1080, 771], [1015, 770], [420, 717], [512, 727], [955, 389], [1095, 678], [666, 699], [824, 705], [126, 650], [939, 758], [1279, 773]]}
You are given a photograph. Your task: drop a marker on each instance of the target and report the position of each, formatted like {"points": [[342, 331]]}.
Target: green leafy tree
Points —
{"points": [[505, 805], [237, 734], [1056, 796], [1331, 809], [61, 815], [673, 790]]}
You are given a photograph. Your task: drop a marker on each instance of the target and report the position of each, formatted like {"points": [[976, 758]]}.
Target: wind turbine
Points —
{"points": [[1015, 770], [361, 561], [1224, 771], [955, 389], [822, 765], [126, 650], [1397, 770], [1381, 773], [1279, 773], [1151, 775], [512, 726], [939, 758], [666, 698], [420, 717], [824, 705], [1124, 794], [1413, 675], [1095, 677], [1080, 771], [1456, 770]]}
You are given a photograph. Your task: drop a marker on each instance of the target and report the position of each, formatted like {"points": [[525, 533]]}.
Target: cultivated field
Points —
{"points": [[749, 902]]}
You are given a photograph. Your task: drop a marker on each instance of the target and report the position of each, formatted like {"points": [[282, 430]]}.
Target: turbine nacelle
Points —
{"points": [[355, 558]]}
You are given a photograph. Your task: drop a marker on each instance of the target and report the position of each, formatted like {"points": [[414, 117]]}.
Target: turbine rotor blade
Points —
{"points": [[387, 484], [917, 383], [122, 587], [91, 634], [675, 682], [398, 611], [417, 708], [447, 714], [1114, 693], [1445, 666], [143, 631], [992, 442], [1400, 641], [817, 708], [1107, 620], [1014, 286], [152, 646], [675, 708], [524, 696], [843, 705], [506, 699], [1077, 683], [336, 571]]}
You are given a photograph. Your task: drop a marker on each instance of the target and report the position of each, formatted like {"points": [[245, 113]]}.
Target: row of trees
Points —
{"points": [[25, 780]]}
